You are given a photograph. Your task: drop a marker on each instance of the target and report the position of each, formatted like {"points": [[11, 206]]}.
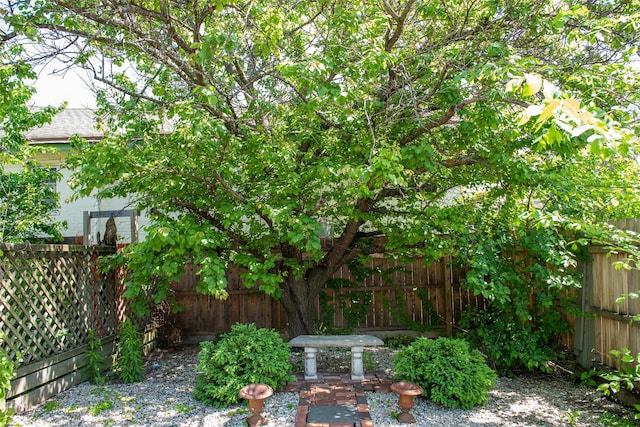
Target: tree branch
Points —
{"points": [[449, 114], [137, 95], [459, 161], [400, 20], [303, 98], [206, 215], [239, 197], [321, 201], [397, 191]]}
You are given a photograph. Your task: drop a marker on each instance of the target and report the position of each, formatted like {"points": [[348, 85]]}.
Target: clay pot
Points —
{"points": [[406, 392], [255, 394]]}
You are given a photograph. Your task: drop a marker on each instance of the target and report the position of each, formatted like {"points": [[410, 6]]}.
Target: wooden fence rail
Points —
{"points": [[50, 297], [610, 325], [402, 297]]}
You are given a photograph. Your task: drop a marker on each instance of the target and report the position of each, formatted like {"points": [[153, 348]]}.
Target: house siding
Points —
{"points": [[72, 211]]}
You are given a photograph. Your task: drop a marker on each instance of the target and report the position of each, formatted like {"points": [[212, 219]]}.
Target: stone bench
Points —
{"points": [[356, 343]]}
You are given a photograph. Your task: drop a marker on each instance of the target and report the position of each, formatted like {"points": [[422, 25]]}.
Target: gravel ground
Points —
{"points": [[164, 399]]}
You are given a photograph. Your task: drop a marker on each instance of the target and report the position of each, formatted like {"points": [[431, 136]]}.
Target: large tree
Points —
{"points": [[416, 121]]}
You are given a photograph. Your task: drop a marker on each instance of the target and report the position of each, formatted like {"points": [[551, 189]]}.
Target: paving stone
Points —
{"points": [[334, 400], [333, 413], [364, 416], [344, 394], [301, 419], [363, 407]]}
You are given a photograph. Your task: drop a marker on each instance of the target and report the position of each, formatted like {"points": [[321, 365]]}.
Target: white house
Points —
{"points": [[87, 216]]}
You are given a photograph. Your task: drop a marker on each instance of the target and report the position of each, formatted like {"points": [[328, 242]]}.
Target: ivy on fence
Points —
{"points": [[355, 303]]}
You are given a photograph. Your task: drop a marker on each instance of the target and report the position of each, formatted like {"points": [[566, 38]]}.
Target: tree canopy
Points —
{"points": [[245, 127], [27, 201]]}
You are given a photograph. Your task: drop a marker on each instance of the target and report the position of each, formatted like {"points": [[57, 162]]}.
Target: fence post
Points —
{"points": [[448, 295], [584, 339], [86, 228]]}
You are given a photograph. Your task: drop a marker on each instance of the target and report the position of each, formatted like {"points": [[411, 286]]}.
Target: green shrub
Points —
{"points": [[6, 374], [129, 366], [526, 274], [246, 355], [530, 344], [95, 359], [626, 377], [449, 372]]}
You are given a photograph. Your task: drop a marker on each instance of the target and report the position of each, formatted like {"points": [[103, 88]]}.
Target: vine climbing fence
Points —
{"points": [[384, 295], [611, 322]]}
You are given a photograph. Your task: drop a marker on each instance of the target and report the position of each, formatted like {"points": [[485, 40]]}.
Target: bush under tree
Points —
{"points": [[523, 266], [450, 373], [245, 355]]}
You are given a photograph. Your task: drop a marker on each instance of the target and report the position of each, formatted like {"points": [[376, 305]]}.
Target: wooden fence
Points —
{"points": [[408, 296], [50, 297], [401, 297], [609, 325]]}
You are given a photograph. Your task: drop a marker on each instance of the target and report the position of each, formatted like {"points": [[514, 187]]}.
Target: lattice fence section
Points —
{"points": [[50, 297]]}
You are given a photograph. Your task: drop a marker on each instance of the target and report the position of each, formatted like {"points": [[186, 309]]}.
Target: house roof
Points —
{"points": [[68, 122]]}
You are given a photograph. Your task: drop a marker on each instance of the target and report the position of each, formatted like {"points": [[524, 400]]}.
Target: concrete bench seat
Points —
{"points": [[356, 343]]}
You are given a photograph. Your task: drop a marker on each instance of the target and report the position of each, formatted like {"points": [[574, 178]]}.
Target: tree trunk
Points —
{"points": [[300, 296], [299, 299]]}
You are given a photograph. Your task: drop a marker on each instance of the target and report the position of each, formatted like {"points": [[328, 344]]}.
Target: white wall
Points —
{"points": [[73, 213]]}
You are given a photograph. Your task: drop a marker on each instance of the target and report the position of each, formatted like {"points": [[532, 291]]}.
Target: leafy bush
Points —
{"points": [[6, 373], [627, 376], [450, 373], [526, 275], [246, 355], [95, 359], [129, 366], [511, 343]]}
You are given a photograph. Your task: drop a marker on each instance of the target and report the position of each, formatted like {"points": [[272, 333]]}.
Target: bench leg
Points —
{"points": [[357, 367], [310, 369]]}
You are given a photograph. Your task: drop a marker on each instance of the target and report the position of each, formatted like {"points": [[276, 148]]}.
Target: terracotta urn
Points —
{"points": [[406, 392], [255, 394]]}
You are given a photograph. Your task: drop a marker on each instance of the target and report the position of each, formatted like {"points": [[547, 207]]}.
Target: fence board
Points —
{"points": [[395, 294], [614, 328], [37, 375], [51, 380]]}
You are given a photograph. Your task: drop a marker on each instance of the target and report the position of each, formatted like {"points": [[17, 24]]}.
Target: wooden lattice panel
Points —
{"points": [[50, 297]]}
